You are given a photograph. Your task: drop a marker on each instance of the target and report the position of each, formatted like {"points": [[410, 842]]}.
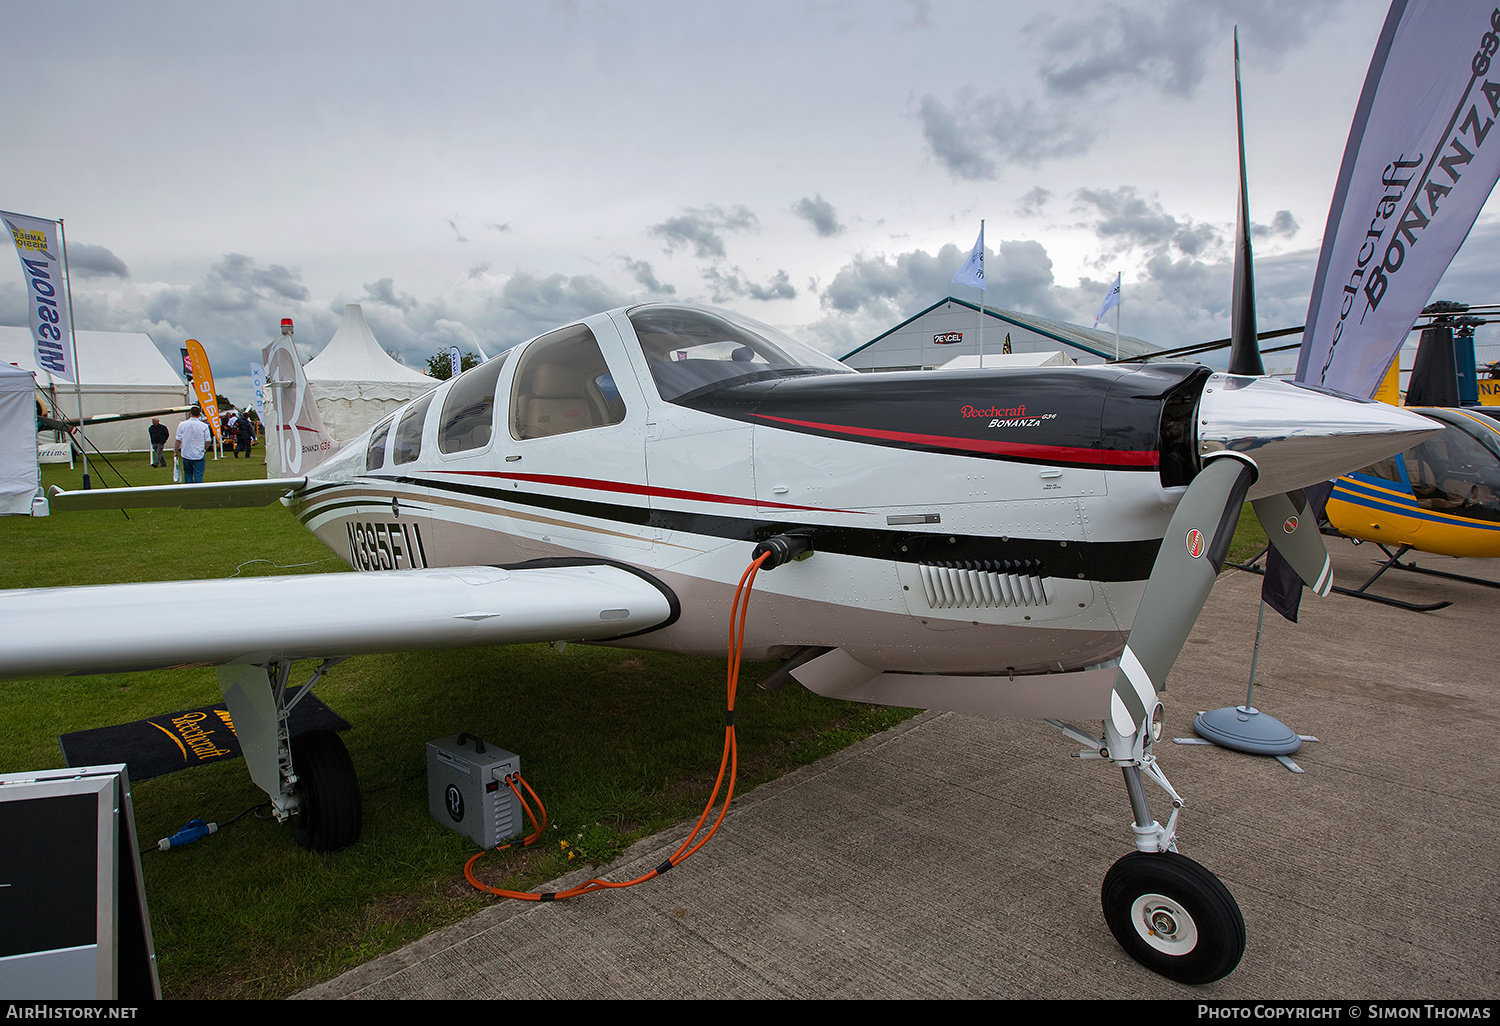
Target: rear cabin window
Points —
{"points": [[562, 385], [375, 454], [409, 432], [469, 411]]}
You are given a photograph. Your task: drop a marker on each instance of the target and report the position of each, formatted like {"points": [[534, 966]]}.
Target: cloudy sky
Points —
{"points": [[489, 170]]}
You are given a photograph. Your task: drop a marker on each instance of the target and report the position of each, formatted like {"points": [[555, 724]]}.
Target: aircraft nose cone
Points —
{"points": [[1297, 435]]}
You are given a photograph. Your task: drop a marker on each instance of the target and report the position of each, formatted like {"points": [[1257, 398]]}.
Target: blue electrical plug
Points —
{"points": [[195, 830]]}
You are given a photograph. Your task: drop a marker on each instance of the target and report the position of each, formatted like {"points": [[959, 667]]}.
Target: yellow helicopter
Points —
{"points": [[1442, 496]]}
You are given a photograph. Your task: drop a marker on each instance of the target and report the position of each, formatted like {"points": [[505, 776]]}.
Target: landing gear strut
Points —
{"points": [[310, 778], [1169, 913]]}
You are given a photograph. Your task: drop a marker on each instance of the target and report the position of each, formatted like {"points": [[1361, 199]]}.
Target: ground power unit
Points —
{"points": [[466, 789]]}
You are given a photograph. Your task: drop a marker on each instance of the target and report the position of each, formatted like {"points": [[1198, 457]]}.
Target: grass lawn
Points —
{"points": [[618, 743]]}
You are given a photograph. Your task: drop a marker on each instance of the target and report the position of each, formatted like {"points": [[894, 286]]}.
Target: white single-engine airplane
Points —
{"points": [[1009, 543], [1032, 542]]}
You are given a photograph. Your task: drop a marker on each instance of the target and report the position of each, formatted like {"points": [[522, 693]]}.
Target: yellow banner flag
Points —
{"points": [[203, 384]]}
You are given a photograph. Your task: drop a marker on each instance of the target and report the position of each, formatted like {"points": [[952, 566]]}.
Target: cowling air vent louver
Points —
{"points": [[984, 584]]}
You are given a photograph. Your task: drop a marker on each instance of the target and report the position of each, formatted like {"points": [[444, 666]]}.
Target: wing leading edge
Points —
{"points": [[125, 627]]}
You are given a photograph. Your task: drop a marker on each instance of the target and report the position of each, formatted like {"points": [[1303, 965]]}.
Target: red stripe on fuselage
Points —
{"points": [[1050, 453], [627, 488]]}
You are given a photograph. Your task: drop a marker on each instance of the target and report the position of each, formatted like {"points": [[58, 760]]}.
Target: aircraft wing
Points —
{"points": [[124, 627], [217, 495]]}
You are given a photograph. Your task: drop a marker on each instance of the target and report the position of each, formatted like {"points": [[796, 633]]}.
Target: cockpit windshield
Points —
{"points": [[690, 350]]}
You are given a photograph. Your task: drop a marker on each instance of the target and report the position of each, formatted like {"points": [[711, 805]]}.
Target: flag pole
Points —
{"points": [[1117, 316], [73, 339]]}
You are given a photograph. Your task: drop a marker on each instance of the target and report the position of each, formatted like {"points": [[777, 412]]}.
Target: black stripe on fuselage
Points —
{"points": [[306, 515], [1094, 561]]}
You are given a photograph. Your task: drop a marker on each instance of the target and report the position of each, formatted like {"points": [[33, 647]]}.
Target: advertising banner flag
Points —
{"points": [[296, 439], [39, 245], [972, 272], [1418, 166], [258, 388], [203, 385]]}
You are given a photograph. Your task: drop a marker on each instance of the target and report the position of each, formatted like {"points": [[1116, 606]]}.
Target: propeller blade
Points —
{"points": [[1192, 551], [1292, 528], [1244, 348]]}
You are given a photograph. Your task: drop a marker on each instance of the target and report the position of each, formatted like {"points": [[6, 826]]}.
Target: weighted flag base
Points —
{"points": [[1246, 729]]}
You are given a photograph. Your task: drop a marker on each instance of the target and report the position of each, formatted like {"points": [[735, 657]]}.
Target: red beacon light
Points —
{"points": [[286, 325]]}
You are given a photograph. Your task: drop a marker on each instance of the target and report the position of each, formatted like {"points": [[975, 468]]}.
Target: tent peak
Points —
{"points": [[353, 354]]}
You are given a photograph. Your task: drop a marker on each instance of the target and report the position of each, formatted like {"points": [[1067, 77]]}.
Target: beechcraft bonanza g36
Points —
{"points": [[1033, 542], [1029, 543]]}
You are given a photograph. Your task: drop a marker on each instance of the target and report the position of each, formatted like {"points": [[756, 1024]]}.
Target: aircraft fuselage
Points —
{"points": [[969, 523]]}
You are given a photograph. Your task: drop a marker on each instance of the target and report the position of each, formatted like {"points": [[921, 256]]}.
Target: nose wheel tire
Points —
{"points": [[1173, 916], [332, 811]]}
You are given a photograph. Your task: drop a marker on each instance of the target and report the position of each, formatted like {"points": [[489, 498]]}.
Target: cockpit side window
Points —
{"points": [[468, 411], [1454, 473], [408, 444], [1388, 469], [375, 454], [562, 385]]}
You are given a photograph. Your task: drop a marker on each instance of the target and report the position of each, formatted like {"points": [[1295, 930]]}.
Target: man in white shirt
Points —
{"points": [[193, 436]]}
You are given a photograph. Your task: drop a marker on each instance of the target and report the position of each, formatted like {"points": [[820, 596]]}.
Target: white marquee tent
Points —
{"points": [[18, 473], [355, 383], [122, 372]]}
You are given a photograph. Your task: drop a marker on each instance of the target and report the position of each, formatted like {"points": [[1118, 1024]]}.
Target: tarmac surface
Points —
{"points": [[958, 857]]}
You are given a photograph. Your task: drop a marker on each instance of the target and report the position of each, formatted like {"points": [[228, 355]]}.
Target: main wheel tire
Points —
{"points": [[1173, 916], [332, 811]]}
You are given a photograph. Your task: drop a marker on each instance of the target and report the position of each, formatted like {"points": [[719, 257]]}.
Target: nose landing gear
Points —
{"points": [[1169, 913]]}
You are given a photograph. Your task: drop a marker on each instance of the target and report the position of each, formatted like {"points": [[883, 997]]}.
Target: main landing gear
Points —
{"points": [[310, 778], [330, 812], [1169, 913]]}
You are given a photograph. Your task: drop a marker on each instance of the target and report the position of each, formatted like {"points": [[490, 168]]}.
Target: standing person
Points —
{"points": [[244, 433], [158, 434], [193, 436]]}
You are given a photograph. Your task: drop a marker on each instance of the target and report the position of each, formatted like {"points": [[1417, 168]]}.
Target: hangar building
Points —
{"points": [[949, 328]]}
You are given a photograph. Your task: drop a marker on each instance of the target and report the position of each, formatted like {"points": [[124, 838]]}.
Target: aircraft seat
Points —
{"points": [[557, 403]]}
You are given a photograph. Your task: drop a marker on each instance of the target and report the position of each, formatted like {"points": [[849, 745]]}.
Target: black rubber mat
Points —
{"points": [[176, 741]]}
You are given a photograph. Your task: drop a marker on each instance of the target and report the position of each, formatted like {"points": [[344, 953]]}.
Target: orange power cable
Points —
{"points": [[738, 612]]}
